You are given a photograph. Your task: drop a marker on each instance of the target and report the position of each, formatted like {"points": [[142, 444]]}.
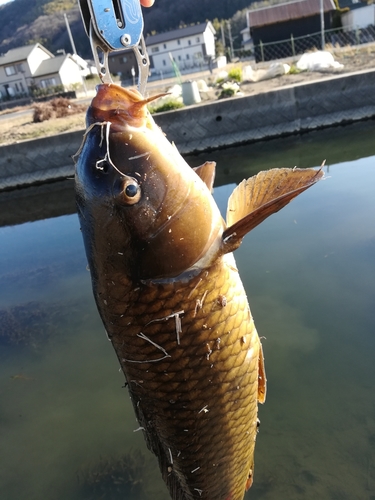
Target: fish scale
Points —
{"points": [[169, 293], [216, 397]]}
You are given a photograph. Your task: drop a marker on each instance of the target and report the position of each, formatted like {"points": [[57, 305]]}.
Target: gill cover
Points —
{"points": [[137, 196]]}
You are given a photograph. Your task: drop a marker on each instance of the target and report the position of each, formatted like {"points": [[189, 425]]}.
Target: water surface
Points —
{"points": [[66, 422]]}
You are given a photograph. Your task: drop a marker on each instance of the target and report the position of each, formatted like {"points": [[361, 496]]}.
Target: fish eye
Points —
{"points": [[131, 191]]}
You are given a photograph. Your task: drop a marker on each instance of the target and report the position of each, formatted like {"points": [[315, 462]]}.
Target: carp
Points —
{"points": [[169, 293]]}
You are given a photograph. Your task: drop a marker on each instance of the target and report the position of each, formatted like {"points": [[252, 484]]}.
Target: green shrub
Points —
{"points": [[36, 91], [227, 93], [235, 74], [228, 89], [219, 81], [166, 106]]}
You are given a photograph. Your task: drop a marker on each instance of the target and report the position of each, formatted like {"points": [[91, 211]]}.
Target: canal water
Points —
{"points": [[67, 428]]}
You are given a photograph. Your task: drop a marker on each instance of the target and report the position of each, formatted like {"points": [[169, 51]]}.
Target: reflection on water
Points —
{"points": [[66, 422], [312, 293]]}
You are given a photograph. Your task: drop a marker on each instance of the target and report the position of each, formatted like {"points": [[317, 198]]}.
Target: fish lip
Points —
{"points": [[116, 105], [119, 106]]}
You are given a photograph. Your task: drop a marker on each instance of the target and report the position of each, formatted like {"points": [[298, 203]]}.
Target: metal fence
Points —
{"points": [[298, 45]]}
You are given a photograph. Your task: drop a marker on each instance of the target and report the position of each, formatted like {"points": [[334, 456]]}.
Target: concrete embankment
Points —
{"points": [[284, 111]]}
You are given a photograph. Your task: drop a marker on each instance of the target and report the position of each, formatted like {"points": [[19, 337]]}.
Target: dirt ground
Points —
{"points": [[19, 126], [352, 59]]}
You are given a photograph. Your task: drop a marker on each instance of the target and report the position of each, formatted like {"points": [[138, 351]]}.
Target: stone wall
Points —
{"points": [[288, 110]]}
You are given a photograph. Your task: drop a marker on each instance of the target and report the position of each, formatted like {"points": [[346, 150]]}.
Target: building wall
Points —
{"points": [[46, 81], [16, 83], [70, 74], [359, 18], [188, 52], [279, 32], [35, 58], [209, 40], [296, 27], [121, 63]]}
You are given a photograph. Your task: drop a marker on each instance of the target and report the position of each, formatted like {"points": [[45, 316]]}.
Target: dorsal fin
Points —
{"points": [[207, 173], [257, 198]]}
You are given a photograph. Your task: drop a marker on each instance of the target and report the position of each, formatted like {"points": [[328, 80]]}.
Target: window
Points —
{"points": [[198, 39], [178, 42], [198, 55], [10, 70], [179, 58], [22, 87], [164, 63], [189, 42], [19, 68], [165, 45], [124, 59], [187, 56], [154, 49], [48, 82], [17, 89]]}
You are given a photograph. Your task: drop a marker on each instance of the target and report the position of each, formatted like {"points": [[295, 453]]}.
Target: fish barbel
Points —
{"points": [[169, 293]]}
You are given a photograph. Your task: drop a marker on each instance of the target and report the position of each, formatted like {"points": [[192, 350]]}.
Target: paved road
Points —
{"points": [[16, 114]]}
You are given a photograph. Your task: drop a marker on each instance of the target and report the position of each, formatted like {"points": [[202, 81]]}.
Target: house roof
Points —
{"points": [[287, 11], [20, 54], [197, 29], [51, 66]]}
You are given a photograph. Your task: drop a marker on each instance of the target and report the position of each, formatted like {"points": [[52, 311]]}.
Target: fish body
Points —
{"points": [[169, 293]]}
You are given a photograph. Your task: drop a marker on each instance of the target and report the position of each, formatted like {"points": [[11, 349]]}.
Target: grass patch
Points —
{"points": [[169, 105], [235, 75]]}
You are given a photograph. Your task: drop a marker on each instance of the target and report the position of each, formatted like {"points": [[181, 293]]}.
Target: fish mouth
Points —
{"points": [[119, 106]]}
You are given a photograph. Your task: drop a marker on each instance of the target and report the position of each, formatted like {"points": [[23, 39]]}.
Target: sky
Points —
{"points": [[5, 1]]}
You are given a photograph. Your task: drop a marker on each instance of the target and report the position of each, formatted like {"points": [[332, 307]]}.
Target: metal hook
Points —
{"points": [[101, 20], [143, 62], [100, 53]]}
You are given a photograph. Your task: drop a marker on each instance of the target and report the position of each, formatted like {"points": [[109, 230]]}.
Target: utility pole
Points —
{"points": [[222, 35], [230, 40], [74, 50], [322, 22], [70, 34]]}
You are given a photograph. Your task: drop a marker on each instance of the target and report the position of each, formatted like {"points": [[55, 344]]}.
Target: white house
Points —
{"points": [[190, 47], [60, 70], [30, 65], [86, 68], [17, 67], [360, 17]]}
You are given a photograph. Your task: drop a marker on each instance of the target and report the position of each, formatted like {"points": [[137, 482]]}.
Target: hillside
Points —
{"points": [[29, 21], [24, 22]]}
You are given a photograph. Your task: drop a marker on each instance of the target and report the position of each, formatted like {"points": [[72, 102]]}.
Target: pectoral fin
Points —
{"points": [[207, 173], [257, 198]]}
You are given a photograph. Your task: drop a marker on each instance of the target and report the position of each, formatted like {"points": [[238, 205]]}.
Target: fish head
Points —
{"points": [[137, 197]]}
